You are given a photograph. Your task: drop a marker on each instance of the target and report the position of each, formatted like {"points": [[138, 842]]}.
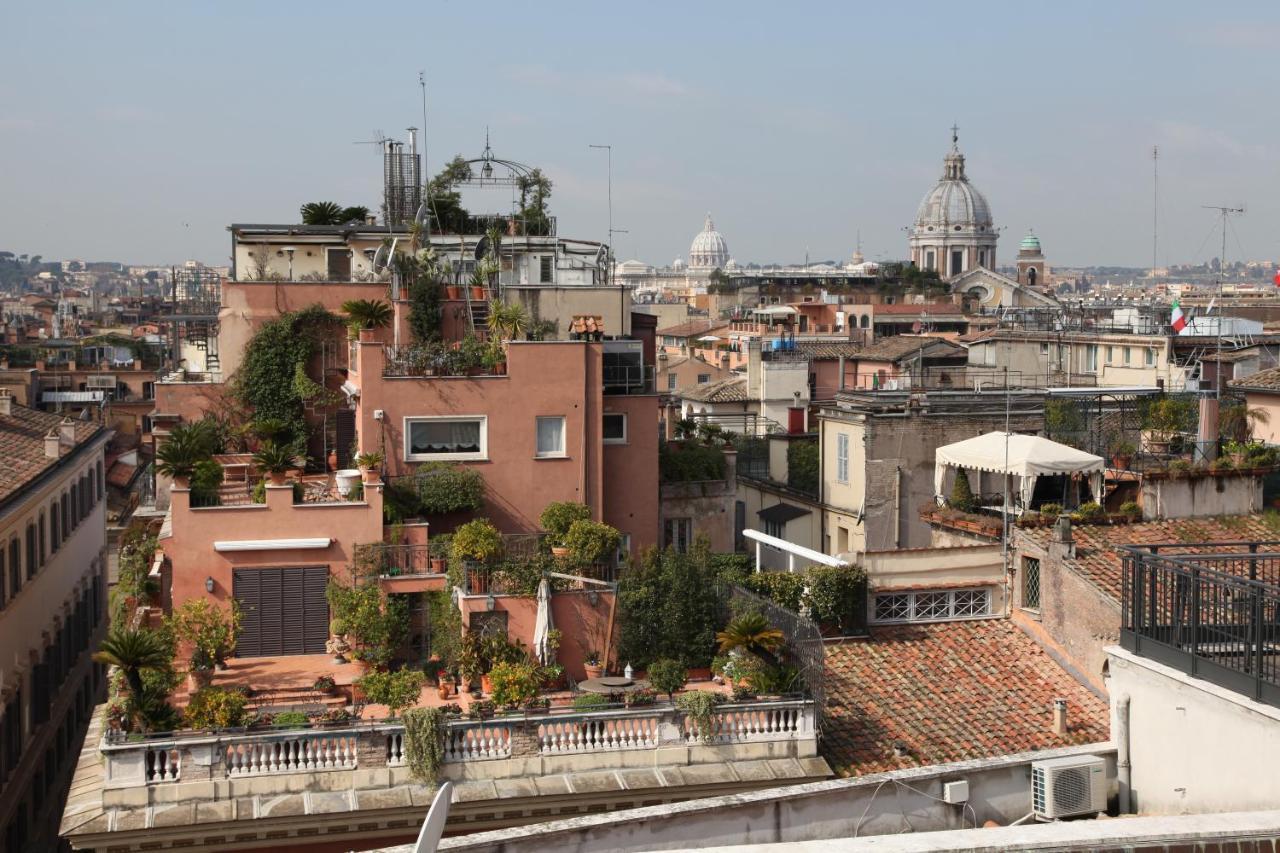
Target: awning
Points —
{"points": [[226, 545], [781, 513], [71, 397], [1013, 454], [776, 311]]}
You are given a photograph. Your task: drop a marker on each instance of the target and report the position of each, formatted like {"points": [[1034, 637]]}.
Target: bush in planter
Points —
{"points": [[1051, 510], [667, 676], [1130, 509], [961, 495], [1089, 513], [374, 627], [443, 488], [215, 708], [590, 702], [641, 697], [514, 684], [591, 541], [559, 516], [837, 596], [782, 587], [210, 630], [477, 540], [481, 710], [397, 690], [275, 458], [186, 446], [325, 684], [290, 719]]}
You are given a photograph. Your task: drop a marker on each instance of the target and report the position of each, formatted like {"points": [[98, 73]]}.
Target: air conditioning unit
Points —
{"points": [[1064, 787]]}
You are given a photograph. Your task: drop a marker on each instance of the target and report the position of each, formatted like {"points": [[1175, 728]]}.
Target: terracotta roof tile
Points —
{"points": [[1098, 562], [689, 329], [948, 691], [1263, 380], [827, 349], [933, 309], [22, 445], [731, 390], [901, 346]]}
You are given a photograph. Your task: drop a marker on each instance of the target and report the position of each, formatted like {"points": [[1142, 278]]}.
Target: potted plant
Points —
{"points": [[337, 644], [365, 315], [514, 684], [369, 463], [591, 542], [557, 518], [186, 446], [1131, 511], [477, 540], [325, 684], [445, 684], [276, 460], [591, 662], [667, 676], [1122, 455]]}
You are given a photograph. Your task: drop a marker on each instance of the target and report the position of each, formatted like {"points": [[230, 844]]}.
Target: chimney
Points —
{"points": [[1062, 545], [52, 444], [371, 219], [6, 402], [1059, 716], [67, 431], [724, 362]]}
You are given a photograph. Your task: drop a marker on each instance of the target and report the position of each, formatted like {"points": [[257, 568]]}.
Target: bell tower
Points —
{"points": [[1031, 266]]}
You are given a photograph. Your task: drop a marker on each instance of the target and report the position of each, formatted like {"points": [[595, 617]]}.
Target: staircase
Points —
{"points": [[478, 310]]}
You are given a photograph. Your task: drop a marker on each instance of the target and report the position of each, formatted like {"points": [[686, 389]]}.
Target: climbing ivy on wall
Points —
{"points": [[272, 382]]}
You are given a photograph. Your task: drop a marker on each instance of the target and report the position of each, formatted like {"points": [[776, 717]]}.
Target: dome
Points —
{"points": [[953, 200], [709, 248], [1030, 243]]}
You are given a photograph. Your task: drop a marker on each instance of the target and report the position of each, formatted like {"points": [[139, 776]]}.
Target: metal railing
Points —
{"points": [[418, 362], [380, 558], [628, 378], [1211, 614]]}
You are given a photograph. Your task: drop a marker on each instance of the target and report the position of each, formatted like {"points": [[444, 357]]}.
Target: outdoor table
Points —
{"points": [[610, 684]]}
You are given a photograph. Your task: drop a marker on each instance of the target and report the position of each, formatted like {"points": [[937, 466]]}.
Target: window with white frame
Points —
{"points": [[429, 438], [614, 430], [932, 605], [677, 533], [624, 548], [842, 457], [1091, 357], [671, 382], [1149, 356], [550, 437]]}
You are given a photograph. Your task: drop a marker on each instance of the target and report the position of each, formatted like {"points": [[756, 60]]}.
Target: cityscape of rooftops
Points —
{"points": [[639, 428]]}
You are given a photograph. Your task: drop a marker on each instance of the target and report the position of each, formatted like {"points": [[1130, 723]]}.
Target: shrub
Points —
{"points": [[667, 676], [590, 702], [837, 596], [211, 630], [424, 742], [591, 541], [1131, 509], [640, 697], [291, 719], [802, 466], [785, 588], [397, 690], [324, 684], [690, 462], [961, 495], [443, 488], [514, 684], [481, 710], [477, 540], [699, 705], [559, 516], [1052, 510], [1089, 512], [669, 606], [215, 708], [373, 627]]}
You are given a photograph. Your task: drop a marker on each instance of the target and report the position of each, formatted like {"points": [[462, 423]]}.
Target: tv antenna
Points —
{"points": [[1225, 211], [1155, 208], [379, 139]]}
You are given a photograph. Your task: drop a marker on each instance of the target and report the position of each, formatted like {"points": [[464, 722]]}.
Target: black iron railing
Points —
{"points": [[1214, 614]]}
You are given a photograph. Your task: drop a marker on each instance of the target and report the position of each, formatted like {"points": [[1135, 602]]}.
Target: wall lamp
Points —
{"points": [[490, 602], [208, 584]]}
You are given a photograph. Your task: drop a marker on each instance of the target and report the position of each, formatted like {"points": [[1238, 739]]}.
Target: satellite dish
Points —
{"points": [[602, 255], [433, 826], [423, 214], [482, 247], [381, 257]]}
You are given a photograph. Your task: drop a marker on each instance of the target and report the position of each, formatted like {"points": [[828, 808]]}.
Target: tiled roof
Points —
{"points": [[731, 390], [586, 324], [1096, 559], [22, 445], [689, 329], [827, 349], [1263, 380], [901, 346], [948, 691]]}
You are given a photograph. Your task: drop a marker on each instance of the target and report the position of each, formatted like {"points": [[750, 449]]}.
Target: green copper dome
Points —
{"points": [[1030, 243]]}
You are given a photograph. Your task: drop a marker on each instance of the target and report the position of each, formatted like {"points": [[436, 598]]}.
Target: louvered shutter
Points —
{"points": [[317, 610], [247, 590]]}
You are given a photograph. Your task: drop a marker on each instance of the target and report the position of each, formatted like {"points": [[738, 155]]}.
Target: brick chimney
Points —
{"points": [[52, 444], [1062, 545], [6, 402], [67, 430], [1059, 716]]}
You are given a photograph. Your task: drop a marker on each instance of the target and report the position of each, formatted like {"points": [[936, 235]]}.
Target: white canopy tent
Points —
{"points": [[1026, 457]]}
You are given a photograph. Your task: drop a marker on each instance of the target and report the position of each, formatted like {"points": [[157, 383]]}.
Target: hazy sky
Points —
{"points": [[138, 131]]}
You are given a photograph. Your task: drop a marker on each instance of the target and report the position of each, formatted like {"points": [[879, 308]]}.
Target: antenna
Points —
{"points": [[1155, 208], [379, 138], [1224, 211]]}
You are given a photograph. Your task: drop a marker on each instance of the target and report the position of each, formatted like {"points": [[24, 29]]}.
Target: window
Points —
{"points": [[66, 518], [704, 378], [544, 269], [55, 529], [1111, 355], [1127, 352], [842, 457], [15, 567], [40, 546], [1031, 583], [550, 437], [1044, 347], [31, 551], [864, 320], [1149, 356], [678, 534], [776, 529], [446, 438], [624, 549], [957, 261], [932, 606], [671, 382], [3, 592], [615, 428], [1091, 358], [928, 260]]}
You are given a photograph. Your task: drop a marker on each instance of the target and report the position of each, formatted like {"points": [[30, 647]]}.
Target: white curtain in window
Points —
{"points": [[550, 436], [445, 437]]}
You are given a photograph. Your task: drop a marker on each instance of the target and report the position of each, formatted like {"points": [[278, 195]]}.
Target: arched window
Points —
{"points": [[55, 529], [864, 321]]}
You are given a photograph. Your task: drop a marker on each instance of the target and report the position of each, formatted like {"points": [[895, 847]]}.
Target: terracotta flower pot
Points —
{"points": [[559, 552], [486, 685], [277, 478], [445, 690], [198, 679], [477, 293], [452, 292], [438, 565], [593, 670], [369, 475]]}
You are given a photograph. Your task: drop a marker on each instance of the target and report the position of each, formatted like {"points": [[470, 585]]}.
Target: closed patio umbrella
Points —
{"points": [[542, 625]]}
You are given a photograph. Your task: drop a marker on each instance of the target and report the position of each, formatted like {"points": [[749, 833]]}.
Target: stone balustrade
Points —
{"points": [[502, 747]]}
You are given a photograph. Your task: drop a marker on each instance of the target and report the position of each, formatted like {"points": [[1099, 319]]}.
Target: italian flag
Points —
{"points": [[1178, 322]]}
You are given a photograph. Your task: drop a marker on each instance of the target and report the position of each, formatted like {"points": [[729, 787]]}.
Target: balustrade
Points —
{"points": [[291, 754]]}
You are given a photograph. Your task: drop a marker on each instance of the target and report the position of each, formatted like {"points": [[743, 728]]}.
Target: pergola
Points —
{"points": [[1026, 457]]}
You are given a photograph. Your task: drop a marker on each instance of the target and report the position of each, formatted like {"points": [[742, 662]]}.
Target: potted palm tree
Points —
{"points": [[366, 315], [186, 447], [133, 651], [276, 460], [369, 463]]}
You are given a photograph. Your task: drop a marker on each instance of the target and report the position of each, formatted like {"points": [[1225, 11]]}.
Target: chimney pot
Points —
{"points": [[67, 430], [1060, 716], [52, 445], [6, 402]]}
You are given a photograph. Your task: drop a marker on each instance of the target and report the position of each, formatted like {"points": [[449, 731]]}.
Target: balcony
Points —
{"points": [[420, 362], [401, 568], [623, 369], [1213, 615]]}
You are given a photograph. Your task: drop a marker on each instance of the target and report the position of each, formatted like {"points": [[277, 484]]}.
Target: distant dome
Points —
{"points": [[709, 249], [678, 263], [953, 200], [1030, 243]]}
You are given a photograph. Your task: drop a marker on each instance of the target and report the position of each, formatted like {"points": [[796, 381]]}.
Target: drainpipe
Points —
{"points": [[1124, 769]]}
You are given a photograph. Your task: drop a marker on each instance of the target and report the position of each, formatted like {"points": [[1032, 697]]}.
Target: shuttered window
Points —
{"points": [[284, 611]]}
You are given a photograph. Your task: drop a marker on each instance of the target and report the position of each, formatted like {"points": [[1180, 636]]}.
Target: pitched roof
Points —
{"points": [[731, 390], [948, 691], [818, 350], [22, 446], [690, 328], [933, 309], [1263, 380], [901, 346], [1096, 559]]}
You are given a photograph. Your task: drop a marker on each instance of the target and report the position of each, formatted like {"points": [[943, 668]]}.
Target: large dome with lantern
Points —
{"points": [[953, 230], [709, 250]]}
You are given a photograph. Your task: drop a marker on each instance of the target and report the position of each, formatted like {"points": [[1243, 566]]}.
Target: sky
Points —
{"points": [[138, 131]]}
